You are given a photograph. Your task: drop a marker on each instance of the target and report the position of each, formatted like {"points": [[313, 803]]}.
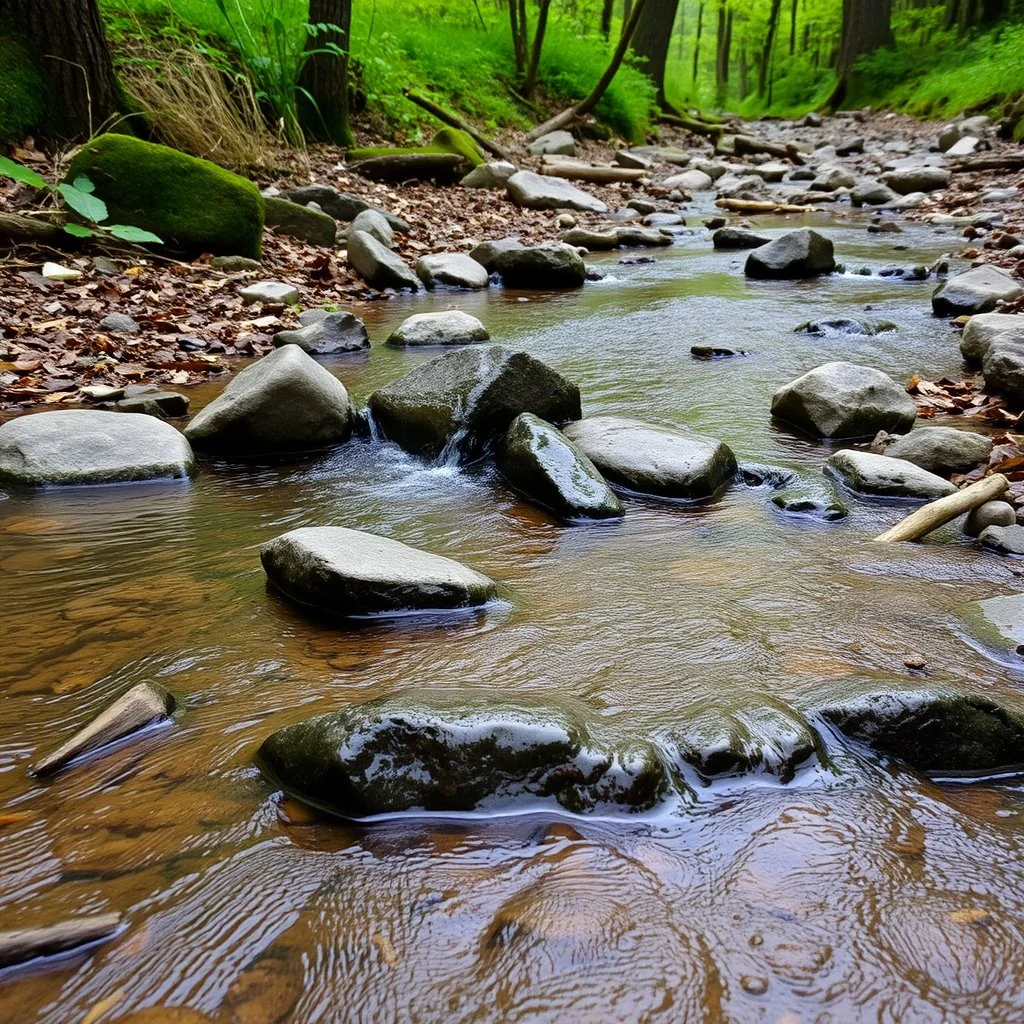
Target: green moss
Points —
{"points": [[451, 140], [23, 100], [193, 205]]}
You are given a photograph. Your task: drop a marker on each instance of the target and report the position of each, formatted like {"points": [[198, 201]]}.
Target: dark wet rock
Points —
{"points": [[76, 447], [298, 221], [738, 238], [883, 476], [844, 400], [162, 404], [457, 752], [626, 261], [1004, 540], [22, 945], [992, 513], [614, 237], [651, 459], [376, 225], [885, 227], [796, 254], [327, 335], [451, 270], [377, 265], [445, 327], [541, 192], [975, 291], [917, 179], [847, 147], [486, 253], [542, 464], [142, 705], [981, 332], [341, 205], [461, 402], [934, 732], [825, 509], [284, 402], [712, 352], [997, 623], [754, 474], [349, 573], [551, 265], [845, 326], [769, 739], [941, 450], [272, 293], [119, 323]]}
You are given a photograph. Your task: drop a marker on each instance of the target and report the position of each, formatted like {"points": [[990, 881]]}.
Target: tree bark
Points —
{"points": [[324, 111], [538, 43], [651, 41], [73, 52], [696, 45], [866, 27], [607, 9], [769, 43]]}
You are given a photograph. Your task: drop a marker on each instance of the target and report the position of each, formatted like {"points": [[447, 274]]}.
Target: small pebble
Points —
{"points": [[119, 323], [55, 272], [754, 984]]}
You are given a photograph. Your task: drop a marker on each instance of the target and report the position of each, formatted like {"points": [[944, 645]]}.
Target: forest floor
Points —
{"points": [[193, 321]]}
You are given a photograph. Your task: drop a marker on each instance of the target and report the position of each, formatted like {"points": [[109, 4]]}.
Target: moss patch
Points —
{"points": [[193, 205], [447, 140], [23, 95]]}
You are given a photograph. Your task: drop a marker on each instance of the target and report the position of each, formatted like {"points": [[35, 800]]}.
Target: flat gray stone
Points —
{"points": [[557, 143], [451, 270], [375, 224], [1004, 540], [119, 323], [270, 292], [327, 335], [883, 476], [541, 192], [447, 327], [941, 450], [975, 291], [917, 179], [492, 175]]}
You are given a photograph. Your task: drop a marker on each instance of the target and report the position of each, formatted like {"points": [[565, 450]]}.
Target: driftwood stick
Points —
{"points": [[937, 513], [759, 206], [715, 131], [27, 943], [597, 175], [456, 122], [990, 162]]}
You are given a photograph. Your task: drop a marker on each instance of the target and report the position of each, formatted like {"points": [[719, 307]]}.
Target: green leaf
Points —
{"points": [[79, 231], [92, 209], [128, 233], [83, 184], [19, 172]]}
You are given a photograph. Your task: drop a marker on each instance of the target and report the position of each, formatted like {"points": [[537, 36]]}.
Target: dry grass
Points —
{"points": [[195, 108]]}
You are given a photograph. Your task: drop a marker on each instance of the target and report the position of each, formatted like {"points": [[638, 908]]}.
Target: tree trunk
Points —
{"points": [[651, 41], [538, 43], [323, 101], [73, 52], [607, 10], [866, 28], [792, 28], [766, 51], [696, 45]]}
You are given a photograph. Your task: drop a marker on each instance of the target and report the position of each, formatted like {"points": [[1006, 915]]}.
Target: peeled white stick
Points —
{"points": [[27, 943], [937, 513]]}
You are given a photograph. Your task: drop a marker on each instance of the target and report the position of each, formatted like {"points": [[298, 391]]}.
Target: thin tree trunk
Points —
{"points": [[324, 112], [792, 28], [538, 42], [68, 37], [651, 41], [766, 51], [607, 9], [696, 45]]}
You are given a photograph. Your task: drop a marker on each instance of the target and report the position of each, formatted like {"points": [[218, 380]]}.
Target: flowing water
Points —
{"points": [[861, 894]]}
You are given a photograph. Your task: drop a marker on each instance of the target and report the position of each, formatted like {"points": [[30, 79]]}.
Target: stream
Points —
{"points": [[865, 893]]}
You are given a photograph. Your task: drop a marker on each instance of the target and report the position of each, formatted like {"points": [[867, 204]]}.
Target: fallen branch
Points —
{"points": [[456, 122], [596, 175], [28, 943], [412, 167], [17, 229], [749, 145], [991, 162], [761, 206], [715, 131], [937, 513]]}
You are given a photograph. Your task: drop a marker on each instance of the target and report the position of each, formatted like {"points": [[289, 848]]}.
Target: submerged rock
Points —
{"points": [[21, 945], [447, 327], [845, 326], [796, 254], [770, 738], [997, 622], [351, 573], [845, 400], [825, 509], [754, 474], [541, 192], [880, 475], [552, 265], [934, 732], [88, 446], [457, 752], [543, 465], [461, 402], [284, 402], [140, 706], [328, 335], [975, 291], [651, 459], [738, 238], [941, 450]]}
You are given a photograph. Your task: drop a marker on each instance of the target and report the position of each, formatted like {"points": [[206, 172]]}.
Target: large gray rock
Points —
{"points": [[545, 467], [377, 265], [917, 179], [491, 175], [981, 331], [284, 402], [613, 237], [457, 752], [830, 179], [451, 270], [940, 733], [541, 192], [997, 623], [652, 459], [554, 143], [328, 335], [1003, 368], [351, 573], [844, 400], [796, 254], [551, 265], [376, 225], [486, 253], [941, 450], [341, 205], [738, 238], [975, 291], [446, 327], [692, 180], [288, 218], [991, 513], [460, 403], [87, 446], [883, 476], [1004, 540], [872, 193]]}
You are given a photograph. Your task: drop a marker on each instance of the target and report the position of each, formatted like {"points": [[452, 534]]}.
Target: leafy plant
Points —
{"points": [[78, 196]]}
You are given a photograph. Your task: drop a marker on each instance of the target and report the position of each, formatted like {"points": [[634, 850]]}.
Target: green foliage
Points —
{"points": [[193, 204], [23, 100]]}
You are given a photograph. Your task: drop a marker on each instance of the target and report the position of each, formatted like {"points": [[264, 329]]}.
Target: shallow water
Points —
{"points": [[860, 894]]}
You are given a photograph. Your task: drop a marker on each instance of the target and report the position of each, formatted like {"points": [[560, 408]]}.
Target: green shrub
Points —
{"points": [[193, 205]]}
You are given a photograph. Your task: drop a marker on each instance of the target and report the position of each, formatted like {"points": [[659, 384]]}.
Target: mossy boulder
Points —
{"points": [[193, 205], [457, 752]]}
